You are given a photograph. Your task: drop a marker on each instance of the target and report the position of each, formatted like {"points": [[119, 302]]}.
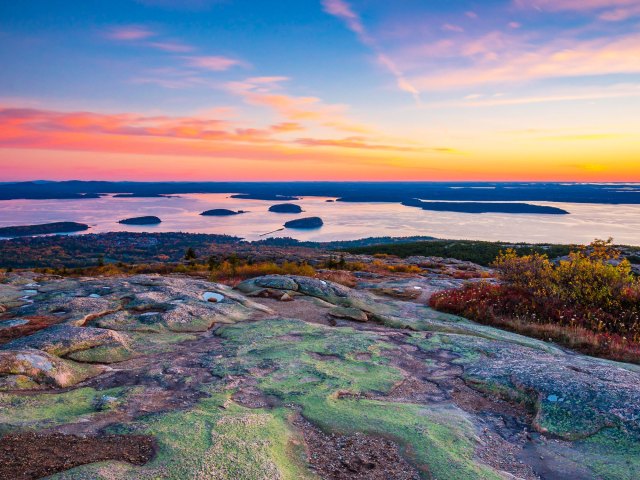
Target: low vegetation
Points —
{"points": [[482, 253], [589, 301]]}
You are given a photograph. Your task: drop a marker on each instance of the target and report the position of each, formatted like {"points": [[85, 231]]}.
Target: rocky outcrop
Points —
{"points": [[30, 368], [364, 371], [78, 343]]}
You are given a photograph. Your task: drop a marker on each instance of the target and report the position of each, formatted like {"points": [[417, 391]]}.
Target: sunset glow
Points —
{"points": [[320, 90]]}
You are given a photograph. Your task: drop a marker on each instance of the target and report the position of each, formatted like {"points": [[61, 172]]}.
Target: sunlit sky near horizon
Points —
{"points": [[320, 90]]}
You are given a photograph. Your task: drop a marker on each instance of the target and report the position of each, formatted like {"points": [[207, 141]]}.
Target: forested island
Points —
{"points": [[42, 229]]}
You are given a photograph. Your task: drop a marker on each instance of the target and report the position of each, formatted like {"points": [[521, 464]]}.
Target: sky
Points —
{"points": [[258, 90]]}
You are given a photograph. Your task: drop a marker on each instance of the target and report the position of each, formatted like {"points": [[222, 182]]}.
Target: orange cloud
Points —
{"points": [[355, 142], [266, 92], [129, 133]]}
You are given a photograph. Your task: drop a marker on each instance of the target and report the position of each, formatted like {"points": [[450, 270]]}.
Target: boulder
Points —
{"points": [[26, 367], [98, 345]]}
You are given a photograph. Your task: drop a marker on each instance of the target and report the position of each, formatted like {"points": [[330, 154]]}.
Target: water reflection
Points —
{"points": [[342, 221]]}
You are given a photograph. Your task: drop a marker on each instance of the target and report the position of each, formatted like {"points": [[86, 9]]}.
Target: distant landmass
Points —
{"points": [[395, 192], [285, 208], [142, 195], [42, 229], [310, 222], [264, 196], [148, 220], [221, 212], [485, 207]]}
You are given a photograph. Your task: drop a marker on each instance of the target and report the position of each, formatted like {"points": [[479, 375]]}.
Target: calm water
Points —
{"points": [[343, 221]]}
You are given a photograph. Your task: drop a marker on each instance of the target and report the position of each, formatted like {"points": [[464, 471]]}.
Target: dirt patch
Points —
{"points": [[25, 456], [34, 324], [354, 457]]}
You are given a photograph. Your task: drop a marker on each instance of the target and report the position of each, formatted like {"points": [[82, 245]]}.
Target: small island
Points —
{"points": [[148, 220], [285, 208], [221, 212], [305, 223], [42, 229]]}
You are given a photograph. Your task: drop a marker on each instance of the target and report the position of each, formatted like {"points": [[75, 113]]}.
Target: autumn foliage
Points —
{"points": [[589, 301]]}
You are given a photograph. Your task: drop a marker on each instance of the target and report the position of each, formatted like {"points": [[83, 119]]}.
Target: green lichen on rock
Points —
{"points": [[318, 369], [19, 412], [68, 340], [209, 441]]}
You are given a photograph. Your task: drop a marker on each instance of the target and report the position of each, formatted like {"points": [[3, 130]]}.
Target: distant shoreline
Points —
{"points": [[393, 192]]}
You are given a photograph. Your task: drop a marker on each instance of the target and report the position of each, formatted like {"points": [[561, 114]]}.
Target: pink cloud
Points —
{"points": [[130, 33], [521, 63], [448, 27], [214, 63]]}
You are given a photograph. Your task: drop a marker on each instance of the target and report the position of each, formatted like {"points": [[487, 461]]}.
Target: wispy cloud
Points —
{"points": [[214, 63], [342, 10], [172, 47], [608, 10], [268, 92], [493, 60], [130, 33], [601, 93]]}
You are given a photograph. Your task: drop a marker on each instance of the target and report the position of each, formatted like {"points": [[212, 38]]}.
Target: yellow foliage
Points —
{"points": [[592, 276]]}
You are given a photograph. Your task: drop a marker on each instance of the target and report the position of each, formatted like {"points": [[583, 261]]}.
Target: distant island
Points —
{"points": [[143, 195], [264, 196], [42, 229], [221, 212], [148, 220], [285, 208], [485, 207], [309, 222]]}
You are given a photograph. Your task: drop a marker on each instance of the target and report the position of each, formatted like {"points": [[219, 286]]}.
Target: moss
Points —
{"points": [[150, 343], [309, 365], [208, 441], [444, 341], [612, 453], [563, 420], [439, 440], [47, 410], [102, 354]]}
